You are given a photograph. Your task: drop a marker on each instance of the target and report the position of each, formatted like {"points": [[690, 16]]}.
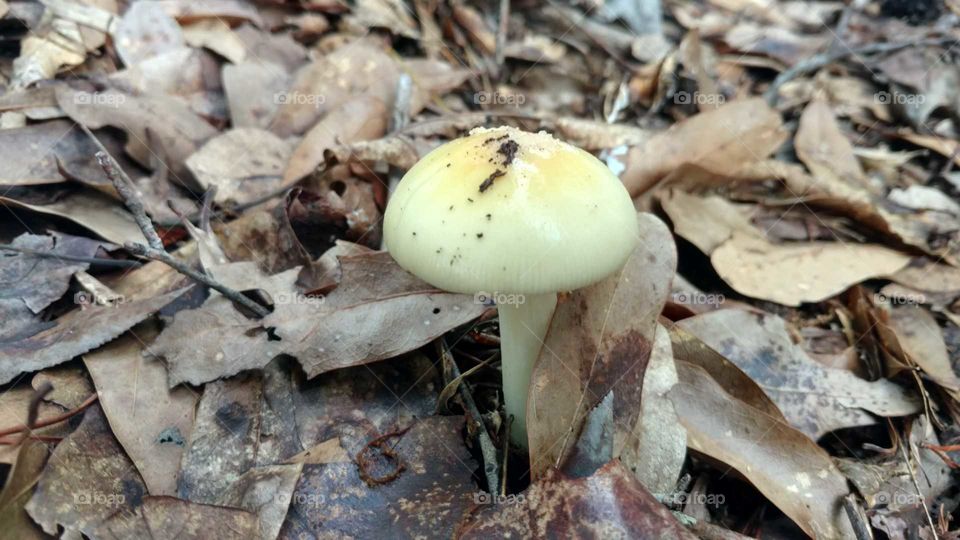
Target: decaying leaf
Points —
{"points": [[364, 320], [609, 504], [426, 498], [88, 479], [600, 340], [785, 465], [151, 422], [722, 140], [167, 518], [267, 492], [243, 164], [18, 488], [814, 399], [74, 334], [223, 443]]}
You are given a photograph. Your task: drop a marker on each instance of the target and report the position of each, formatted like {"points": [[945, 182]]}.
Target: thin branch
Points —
{"points": [[50, 421], [164, 257], [124, 186], [857, 519], [821, 60], [487, 449], [75, 258]]}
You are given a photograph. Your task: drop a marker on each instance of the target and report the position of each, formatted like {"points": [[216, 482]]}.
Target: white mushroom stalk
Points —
{"points": [[515, 217]]}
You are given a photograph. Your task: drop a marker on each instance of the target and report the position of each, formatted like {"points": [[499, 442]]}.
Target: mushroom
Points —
{"points": [[514, 217]]}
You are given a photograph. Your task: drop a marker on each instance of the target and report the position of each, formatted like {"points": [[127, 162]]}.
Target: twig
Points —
{"points": [[155, 249], [49, 421], [169, 260], [818, 61], [124, 186], [487, 449], [916, 485], [506, 452], [857, 519], [504, 22], [76, 258]]}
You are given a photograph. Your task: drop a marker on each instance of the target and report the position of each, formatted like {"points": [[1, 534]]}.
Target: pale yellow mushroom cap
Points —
{"points": [[506, 211]]}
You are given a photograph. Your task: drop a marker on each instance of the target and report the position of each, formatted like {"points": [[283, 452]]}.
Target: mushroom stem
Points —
{"points": [[523, 327]]}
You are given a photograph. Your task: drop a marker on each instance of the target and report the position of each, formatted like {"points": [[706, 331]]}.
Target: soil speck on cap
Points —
{"points": [[485, 185], [508, 149]]}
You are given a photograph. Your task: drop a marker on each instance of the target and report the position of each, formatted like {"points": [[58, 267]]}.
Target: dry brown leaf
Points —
{"points": [[223, 341], [793, 274], [329, 451], [230, 11], [224, 441], [144, 31], [922, 341], [600, 340], [151, 422], [98, 213], [88, 479], [71, 386], [252, 89], [609, 504], [814, 399], [359, 119], [75, 333], [825, 150], [721, 140], [378, 311], [56, 44], [216, 35], [244, 164], [656, 448], [174, 129], [267, 492], [14, 406], [30, 283], [167, 518], [786, 466]]}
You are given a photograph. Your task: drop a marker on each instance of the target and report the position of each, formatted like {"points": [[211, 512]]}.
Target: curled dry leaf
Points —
{"points": [[151, 422], [88, 479], [786, 466], [922, 341], [75, 333], [789, 274], [600, 340], [609, 504], [722, 140], [426, 499], [92, 210], [168, 518], [216, 35], [244, 164], [656, 447], [814, 399]]}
